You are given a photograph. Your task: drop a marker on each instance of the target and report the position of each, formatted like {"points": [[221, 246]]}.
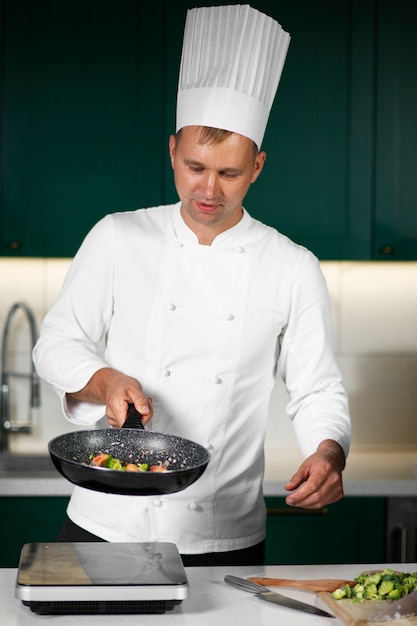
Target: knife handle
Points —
{"points": [[243, 584]]}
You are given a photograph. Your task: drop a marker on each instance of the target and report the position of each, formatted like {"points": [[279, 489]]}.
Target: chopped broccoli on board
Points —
{"points": [[384, 585]]}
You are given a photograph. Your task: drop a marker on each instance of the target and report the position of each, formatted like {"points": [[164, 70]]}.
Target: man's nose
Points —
{"points": [[210, 185]]}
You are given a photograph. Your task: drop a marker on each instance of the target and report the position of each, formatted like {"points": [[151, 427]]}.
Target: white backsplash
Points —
{"points": [[374, 309]]}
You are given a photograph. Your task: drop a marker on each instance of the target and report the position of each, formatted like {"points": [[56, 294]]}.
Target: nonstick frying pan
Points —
{"points": [[71, 455]]}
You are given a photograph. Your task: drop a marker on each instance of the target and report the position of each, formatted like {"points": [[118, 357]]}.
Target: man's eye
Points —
{"points": [[195, 168]]}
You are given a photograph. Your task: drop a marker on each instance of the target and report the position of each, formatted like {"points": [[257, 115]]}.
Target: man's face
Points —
{"points": [[212, 179]]}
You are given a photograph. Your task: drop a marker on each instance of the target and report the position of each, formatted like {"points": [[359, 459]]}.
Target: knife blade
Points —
{"points": [[272, 596], [404, 607]]}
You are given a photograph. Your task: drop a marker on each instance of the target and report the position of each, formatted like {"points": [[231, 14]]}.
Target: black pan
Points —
{"points": [[71, 455]]}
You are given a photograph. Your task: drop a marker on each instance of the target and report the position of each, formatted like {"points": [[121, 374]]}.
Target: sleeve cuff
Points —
{"points": [[82, 413]]}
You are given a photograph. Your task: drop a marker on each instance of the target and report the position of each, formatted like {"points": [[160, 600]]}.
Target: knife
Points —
{"points": [[272, 596], [404, 607]]}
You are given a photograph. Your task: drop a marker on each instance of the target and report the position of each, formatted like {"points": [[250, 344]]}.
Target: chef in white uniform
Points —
{"points": [[201, 306]]}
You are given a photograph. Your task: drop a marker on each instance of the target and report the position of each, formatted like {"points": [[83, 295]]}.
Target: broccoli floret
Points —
{"points": [[385, 587], [389, 573], [395, 594], [409, 583], [113, 464], [339, 593], [369, 579], [370, 592], [373, 579], [342, 592]]}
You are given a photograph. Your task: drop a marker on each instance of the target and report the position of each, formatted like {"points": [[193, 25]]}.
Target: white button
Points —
{"points": [[166, 372], [192, 506], [239, 249], [157, 503], [227, 316], [178, 244], [216, 380], [171, 307]]}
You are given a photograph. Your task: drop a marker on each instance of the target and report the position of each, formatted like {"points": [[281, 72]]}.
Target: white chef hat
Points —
{"points": [[232, 60]]}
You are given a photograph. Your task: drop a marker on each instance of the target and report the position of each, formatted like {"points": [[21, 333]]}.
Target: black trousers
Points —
{"points": [[255, 555]]}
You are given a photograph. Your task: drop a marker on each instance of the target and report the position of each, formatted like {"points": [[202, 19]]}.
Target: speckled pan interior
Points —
{"points": [[71, 454]]}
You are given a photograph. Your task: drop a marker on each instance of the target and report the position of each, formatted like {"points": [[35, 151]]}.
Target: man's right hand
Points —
{"points": [[116, 390]]}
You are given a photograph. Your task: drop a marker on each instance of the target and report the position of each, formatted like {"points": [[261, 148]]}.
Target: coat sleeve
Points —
{"points": [[66, 353], [318, 403]]}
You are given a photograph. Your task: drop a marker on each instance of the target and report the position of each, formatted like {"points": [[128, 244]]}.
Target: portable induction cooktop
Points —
{"points": [[96, 578]]}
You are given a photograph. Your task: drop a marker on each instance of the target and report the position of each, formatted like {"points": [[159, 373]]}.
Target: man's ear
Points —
{"points": [[259, 163], [172, 146]]}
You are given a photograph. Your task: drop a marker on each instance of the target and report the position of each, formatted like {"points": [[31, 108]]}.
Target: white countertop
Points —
{"points": [[368, 473], [210, 600]]}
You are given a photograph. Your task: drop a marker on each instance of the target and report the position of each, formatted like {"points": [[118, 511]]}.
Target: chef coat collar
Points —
{"points": [[231, 237]]}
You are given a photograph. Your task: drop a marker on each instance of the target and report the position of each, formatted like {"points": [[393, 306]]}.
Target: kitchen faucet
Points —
{"points": [[7, 425]]}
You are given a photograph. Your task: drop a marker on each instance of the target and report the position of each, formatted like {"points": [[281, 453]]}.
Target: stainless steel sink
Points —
{"points": [[15, 465]]}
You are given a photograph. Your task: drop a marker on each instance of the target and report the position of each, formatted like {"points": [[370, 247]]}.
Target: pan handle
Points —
{"points": [[133, 418]]}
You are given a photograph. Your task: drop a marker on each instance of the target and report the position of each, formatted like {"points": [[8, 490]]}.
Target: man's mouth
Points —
{"points": [[206, 208]]}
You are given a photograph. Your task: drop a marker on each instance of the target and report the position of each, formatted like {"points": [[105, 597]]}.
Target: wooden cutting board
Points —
{"points": [[358, 614]]}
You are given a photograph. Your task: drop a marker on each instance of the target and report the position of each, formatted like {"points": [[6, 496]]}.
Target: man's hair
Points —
{"points": [[212, 135]]}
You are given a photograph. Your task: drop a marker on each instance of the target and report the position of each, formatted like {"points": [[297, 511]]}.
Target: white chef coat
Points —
{"points": [[201, 327]]}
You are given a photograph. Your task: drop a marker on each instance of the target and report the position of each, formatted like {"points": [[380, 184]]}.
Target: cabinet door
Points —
{"points": [[26, 520], [349, 531], [317, 181], [402, 530], [82, 118], [396, 132]]}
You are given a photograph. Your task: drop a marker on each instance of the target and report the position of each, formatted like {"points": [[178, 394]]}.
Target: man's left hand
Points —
{"points": [[318, 480]]}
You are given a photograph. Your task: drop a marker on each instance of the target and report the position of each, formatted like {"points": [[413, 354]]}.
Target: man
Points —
{"points": [[200, 305]]}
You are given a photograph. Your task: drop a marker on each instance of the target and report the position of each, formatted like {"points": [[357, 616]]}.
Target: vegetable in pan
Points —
{"points": [[384, 585], [108, 461]]}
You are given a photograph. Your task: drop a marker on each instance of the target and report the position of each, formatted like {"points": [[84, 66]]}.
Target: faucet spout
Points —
{"points": [[6, 425]]}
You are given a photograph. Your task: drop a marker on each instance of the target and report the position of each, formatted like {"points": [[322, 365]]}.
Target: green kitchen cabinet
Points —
{"points": [[26, 520], [82, 111], [352, 530], [395, 236], [88, 103]]}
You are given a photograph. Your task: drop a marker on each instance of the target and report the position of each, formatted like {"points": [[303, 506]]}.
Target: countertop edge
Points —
{"points": [[55, 486], [387, 488], [29, 486]]}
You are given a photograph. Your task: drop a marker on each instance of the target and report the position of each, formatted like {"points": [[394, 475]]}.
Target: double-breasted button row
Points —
{"points": [[216, 380], [158, 503]]}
